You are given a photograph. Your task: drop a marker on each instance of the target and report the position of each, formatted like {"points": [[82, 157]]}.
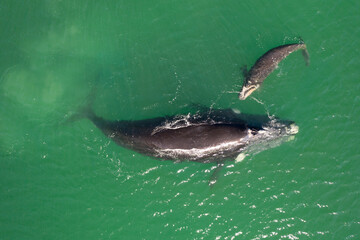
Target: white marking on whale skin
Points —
{"points": [[240, 157], [235, 110], [294, 129], [247, 90], [199, 152], [202, 152]]}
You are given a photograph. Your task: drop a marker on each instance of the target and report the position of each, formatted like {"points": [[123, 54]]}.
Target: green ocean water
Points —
{"points": [[154, 58]]}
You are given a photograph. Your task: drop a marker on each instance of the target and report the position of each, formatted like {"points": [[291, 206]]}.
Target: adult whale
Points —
{"points": [[214, 135], [207, 136], [266, 64]]}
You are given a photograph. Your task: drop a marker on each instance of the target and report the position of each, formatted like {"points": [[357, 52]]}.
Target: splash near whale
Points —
{"points": [[266, 64]]}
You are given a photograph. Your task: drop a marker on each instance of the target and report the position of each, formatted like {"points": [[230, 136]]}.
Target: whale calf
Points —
{"points": [[210, 136], [266, 64]]}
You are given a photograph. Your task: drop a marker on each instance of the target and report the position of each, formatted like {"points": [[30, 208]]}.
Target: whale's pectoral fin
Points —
{"points": [[244, 71], [214, 175]]}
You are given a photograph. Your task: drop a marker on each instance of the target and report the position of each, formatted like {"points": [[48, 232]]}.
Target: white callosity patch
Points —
{"points": [[294, 129], [272, 136], [246, 91]]}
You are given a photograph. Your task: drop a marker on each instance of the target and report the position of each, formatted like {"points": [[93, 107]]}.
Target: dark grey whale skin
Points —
{"points": [[190, 138], [266, 64]]}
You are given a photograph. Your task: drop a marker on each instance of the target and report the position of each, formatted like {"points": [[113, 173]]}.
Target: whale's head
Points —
{"points": [[276, 128], [247, 90], [272, 134]]}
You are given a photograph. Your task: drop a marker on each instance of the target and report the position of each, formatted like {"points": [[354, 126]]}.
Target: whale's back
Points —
{"points": [[198, 137]]}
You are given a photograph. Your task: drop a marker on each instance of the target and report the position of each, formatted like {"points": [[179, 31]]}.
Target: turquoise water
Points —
{"points": [[153, 58]]}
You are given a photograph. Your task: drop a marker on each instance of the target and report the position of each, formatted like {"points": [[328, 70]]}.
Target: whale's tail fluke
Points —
{"points": [[84, 111]]}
